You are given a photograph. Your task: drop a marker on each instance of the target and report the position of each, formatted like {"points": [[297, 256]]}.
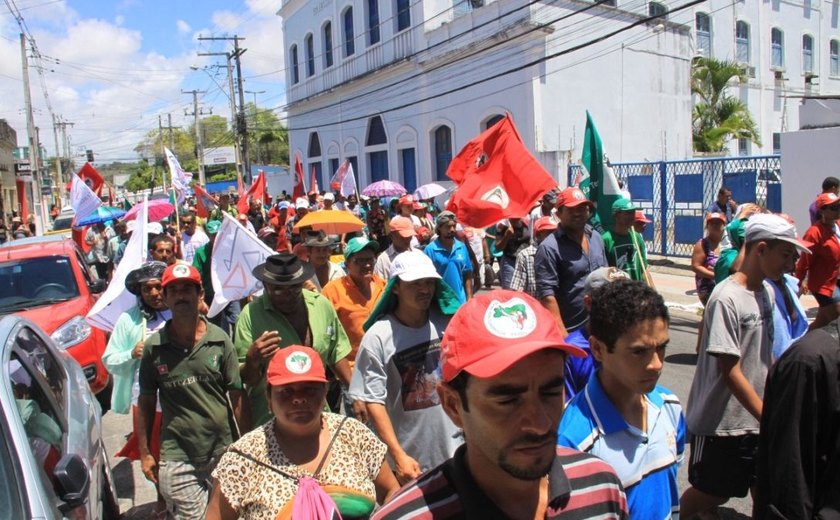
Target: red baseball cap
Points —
{"points": [[826, 199], [406, 199], [544, 224], [295, 364], [180, 271], [716, 216], [496, 329], [571, 197], [641, 217]]}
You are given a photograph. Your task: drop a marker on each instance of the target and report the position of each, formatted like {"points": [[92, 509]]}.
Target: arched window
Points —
{"points": [[703, 28], [328, 45], [377, 142], [310, 55], [314, 156], [742, 42], [349, 37], [293, 55], [807, 53], [492, 121], [657, 9], [834, 57], [373, 21], [777, 48], [403, 14], [442, 151]]}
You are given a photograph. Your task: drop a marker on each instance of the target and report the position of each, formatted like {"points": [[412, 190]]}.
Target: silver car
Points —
{"points": [[52, 456]]}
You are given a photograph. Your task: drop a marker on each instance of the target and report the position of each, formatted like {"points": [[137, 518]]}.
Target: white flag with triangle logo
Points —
{"points": [[236, 252]]}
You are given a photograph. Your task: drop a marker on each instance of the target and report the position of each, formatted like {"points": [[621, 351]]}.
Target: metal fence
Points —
{"points": [[675, 194]]}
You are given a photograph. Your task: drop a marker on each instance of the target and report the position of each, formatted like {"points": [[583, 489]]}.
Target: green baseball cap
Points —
{"points": [[623, 204], [213, 226], [354, 245]]}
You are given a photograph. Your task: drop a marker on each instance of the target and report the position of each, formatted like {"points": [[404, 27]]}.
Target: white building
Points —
{"points": [[399, 86], [791, 49]]}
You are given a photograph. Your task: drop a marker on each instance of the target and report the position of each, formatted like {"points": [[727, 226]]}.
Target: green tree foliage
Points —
{"points": [[268, 139], [718, 116]]}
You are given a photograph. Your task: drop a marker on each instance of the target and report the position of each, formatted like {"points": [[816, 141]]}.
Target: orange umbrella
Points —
{"points": [[331, 222]]}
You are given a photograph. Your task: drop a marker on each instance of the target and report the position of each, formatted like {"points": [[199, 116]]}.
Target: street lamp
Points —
{"points": [[256, 137]]}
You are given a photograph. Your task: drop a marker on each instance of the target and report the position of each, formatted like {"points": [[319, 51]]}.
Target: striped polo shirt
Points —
{"points": [[646, 462], [580, 487]]}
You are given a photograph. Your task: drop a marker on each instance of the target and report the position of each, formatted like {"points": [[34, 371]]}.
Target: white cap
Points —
{"points": [[130, 225], [329, 196], [301, 203], [154, 228], [767, 226], [413, 265]]}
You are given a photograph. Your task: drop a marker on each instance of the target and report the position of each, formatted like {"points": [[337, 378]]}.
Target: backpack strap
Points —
{"points": [[263, 464], [317, 473]]}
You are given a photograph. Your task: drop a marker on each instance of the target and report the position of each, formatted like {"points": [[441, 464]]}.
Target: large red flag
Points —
{"points": [[204, 202], [256, 191], [92, 178], [300, 188], [313, 185], [497, 177]]}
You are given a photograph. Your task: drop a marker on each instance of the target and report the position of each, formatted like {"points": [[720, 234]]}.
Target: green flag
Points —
{"points": [[599, 183]]}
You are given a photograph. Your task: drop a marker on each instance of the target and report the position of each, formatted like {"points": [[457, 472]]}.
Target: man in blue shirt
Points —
{"points": [[623, 417], [451, 258], [723, 204], [565, 258]]}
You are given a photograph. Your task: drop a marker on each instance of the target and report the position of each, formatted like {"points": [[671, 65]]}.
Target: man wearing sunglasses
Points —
{"points": [[192, 237]]}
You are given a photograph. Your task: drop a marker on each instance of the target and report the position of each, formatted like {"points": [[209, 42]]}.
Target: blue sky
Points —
{"points": [[112, 67]]}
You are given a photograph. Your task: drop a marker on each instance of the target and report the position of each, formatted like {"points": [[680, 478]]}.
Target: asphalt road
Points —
{"points": [[137, 496]]}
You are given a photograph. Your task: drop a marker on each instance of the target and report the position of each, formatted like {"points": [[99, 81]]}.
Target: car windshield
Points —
{"points": [[36, 281], [62, 223]]}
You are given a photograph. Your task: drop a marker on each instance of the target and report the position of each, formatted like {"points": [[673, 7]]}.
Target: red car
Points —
{"points": [[47, 280]]}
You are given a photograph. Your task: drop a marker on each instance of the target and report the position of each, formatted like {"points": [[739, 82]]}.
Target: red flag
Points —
{"points": [[92, 178], [300, 188], [256, 191], [313, 185], [110, 196], [497, 177], [240, 187], [204, 202]]}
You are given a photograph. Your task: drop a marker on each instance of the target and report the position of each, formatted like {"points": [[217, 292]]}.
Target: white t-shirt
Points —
{"points": [[399, 367]]}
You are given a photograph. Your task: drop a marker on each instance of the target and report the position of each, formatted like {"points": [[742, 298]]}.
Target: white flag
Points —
{"points": [[180, 178], [344, 180], [116, 298], [83, 200], [236, 252]]}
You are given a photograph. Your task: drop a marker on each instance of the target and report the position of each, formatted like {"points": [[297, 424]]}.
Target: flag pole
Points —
{"points": [[645, 272]]}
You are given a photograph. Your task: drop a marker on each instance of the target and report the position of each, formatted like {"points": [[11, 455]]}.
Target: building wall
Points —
{"points": [[8, 190]]}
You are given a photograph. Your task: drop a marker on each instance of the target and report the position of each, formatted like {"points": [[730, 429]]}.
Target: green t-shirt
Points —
{"points": [[621, 253], [723, 266], [329, 339], [201, 261], [192, 386]]}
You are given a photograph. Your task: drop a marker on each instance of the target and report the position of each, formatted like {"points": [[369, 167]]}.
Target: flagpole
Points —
{"points": [[645, 272]]}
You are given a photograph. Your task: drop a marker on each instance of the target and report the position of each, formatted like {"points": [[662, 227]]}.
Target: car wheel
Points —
{"points": [[110, 505], [104, 396]]}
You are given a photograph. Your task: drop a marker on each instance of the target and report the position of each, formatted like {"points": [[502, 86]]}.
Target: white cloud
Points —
{"points": [[183, 27]]}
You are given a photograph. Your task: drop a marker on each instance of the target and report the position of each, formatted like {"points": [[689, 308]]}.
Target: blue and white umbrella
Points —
{"points": [[101, 214]]}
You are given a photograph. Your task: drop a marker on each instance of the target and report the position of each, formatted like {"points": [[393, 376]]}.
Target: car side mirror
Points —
{"points": [[72, 481], [98, 286]]}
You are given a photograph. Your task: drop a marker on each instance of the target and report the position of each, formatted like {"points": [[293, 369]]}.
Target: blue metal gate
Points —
{"points": [[675, 194]]}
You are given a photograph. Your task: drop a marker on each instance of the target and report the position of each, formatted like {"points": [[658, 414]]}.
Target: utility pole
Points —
{"points": [[199, 146], [241, 123], [171, 135], [237, 149], [162, 154], [32, 137], [256, 139], [58, 172]]}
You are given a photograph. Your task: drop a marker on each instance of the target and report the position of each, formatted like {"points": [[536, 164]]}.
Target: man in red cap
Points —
{"points": [[502, 368], [402, 231], [566, 258], [523, 278], [191, 366]]}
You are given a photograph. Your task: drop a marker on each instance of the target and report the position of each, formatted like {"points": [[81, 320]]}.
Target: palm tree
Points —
{"points": [[719, 117]]}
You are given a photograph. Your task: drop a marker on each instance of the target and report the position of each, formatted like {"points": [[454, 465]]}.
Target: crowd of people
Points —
{"points": [[381, 374]]}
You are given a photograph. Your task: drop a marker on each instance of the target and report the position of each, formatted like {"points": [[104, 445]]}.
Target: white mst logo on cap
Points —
{"points": [[181, 271], [299, 363], [511, 319]]}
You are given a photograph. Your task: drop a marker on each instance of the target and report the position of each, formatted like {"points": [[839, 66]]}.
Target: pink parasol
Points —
{"points": [[159, 209]]}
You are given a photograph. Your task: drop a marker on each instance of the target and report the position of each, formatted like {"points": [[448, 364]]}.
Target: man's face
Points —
{"points": [[164, 251], [328, 203], [512, 419], [624, 219], [224, 200], [360, 265], [639, 227], [182, 297], [319, 255], [724, 197], [255, 206], [777, 258], [189, 225], [285, 298], [400, 242], [301, 212], [447, 230], [574, 218], [152, 294], [415, 296], [636, 360]]}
